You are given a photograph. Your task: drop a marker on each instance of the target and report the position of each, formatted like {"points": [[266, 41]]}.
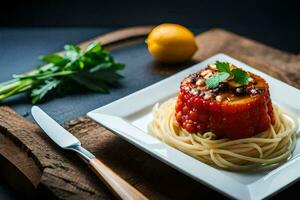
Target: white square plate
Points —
{"points": [[128, 117]]}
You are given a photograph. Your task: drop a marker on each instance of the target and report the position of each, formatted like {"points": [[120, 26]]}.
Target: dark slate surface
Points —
{"points": [[20, 47], [21, 52], [7, 193]]}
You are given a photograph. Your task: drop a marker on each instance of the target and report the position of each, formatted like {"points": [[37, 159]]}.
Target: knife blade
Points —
{"points": [[58, 134], [63, 138]]}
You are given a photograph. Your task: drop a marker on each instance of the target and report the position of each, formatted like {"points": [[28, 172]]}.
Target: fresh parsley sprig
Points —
{"points": [[93, 68], [240, 76], [216, 79]]}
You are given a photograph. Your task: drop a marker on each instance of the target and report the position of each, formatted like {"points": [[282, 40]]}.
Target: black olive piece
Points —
{"points": [[256, 91], [193, 78], [260, 91], [223, 86], [241, 91]]}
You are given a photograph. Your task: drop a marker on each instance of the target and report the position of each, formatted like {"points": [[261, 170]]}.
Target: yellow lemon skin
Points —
{"points": [[171, 43]]}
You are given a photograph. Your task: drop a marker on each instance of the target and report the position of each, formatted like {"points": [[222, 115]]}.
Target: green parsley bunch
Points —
{"points": [[93, 68]]}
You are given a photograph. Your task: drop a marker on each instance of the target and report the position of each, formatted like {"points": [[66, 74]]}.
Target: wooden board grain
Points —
{"points": [[45, 167]]}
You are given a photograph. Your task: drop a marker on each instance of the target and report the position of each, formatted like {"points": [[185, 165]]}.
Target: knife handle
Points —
{"points": [[118, 186]]}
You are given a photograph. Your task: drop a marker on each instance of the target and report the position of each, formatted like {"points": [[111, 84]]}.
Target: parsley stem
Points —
{"points": [[17, 88], [63, 73], [7, 87], [8, 82], [44, 75]]}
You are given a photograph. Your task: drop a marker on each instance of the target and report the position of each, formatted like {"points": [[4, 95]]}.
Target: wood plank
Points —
{"points": [[44, 165], [17, 168]]}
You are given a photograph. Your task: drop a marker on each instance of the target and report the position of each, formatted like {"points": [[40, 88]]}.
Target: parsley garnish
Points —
{"points": [[93, 68], [215, 79], [223, 67], [239, 76]]}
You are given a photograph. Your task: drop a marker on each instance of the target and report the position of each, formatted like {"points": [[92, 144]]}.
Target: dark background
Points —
{"points": [[32, 28], [196, 13], [272, 22]]}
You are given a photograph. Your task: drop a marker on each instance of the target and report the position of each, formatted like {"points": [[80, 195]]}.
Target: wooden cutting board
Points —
{"points": [[34, 166]]}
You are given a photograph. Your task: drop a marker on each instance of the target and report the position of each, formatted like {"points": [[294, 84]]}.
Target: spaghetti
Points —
{"points": [[265, 150]]}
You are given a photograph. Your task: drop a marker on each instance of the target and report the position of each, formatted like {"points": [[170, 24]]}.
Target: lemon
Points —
{"points": [[171, 43]]}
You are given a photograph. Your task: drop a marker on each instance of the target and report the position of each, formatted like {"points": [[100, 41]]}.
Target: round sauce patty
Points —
{"points": [[230, 110]]}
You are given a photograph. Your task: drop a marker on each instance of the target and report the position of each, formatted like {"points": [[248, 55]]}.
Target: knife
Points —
{"points": [[118, 186]]}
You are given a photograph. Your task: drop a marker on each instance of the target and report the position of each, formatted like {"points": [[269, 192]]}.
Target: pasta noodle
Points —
{"points": [[266, 150]]}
